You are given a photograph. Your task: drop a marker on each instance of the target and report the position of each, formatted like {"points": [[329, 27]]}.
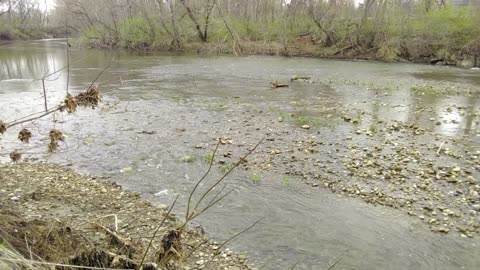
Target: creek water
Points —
{"points": [[181, 98]]}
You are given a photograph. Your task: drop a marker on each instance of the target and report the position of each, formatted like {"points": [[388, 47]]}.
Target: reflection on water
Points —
{"points": [[316, 226], [30, 60]]}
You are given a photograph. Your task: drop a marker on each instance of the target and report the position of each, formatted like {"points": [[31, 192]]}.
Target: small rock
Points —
{"points": [[200, 262], [162, 206], [306, 127], [452, 180], [443, 229], [461, 228], [433, 221]]}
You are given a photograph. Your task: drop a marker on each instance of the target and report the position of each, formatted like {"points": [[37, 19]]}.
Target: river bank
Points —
{"points": [[296, 49], [54, 215]]}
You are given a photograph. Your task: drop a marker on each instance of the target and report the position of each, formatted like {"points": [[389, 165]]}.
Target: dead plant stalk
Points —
{"points": [[196, 212]]}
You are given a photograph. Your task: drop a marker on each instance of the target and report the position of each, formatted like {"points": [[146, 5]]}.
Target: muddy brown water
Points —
{"points": [[188, 100]]}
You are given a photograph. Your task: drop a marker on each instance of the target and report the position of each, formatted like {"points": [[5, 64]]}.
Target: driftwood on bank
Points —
{"points": [[276, 84]]}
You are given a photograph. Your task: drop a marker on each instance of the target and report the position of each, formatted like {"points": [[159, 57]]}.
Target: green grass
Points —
{"points": [[255, 178], [189, 158], [208, 157], [227, 167], [217, 106], [425, 90], [315, 121]]}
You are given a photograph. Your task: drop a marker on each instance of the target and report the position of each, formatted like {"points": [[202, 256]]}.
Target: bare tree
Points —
{"points": [[202, 34]]}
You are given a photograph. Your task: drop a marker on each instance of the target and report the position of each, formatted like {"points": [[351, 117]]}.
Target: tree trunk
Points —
{"points": [[201, 35]]}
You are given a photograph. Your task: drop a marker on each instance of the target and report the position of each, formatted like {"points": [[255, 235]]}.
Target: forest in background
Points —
{"points": [[432, 31]]}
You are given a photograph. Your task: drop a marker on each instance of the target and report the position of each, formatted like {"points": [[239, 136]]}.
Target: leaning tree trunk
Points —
{"points": [[201, 35]]}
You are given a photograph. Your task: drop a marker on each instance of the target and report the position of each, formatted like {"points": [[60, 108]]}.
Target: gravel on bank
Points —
{"points": [[53, 214]]}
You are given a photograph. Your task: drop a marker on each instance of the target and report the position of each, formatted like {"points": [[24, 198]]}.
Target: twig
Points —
{"points": [[239, 233], [201, 179], [233, 237], [113, 234], [68, 52], [28, 248], [100, 74], [224, 176], [333, 265], [265, 264], [208, 206], [276, 84], [440, 148], [295, 264], [156, 231], [44, 94], [52, 110], [195, 248], [115, 220], [218, 193]]}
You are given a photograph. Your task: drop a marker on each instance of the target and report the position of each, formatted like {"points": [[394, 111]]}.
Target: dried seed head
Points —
{"points": [[52, 147], [15, 156], [91, 97], [70, 104], [3, 127], [56, 135], [25, 135]]}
